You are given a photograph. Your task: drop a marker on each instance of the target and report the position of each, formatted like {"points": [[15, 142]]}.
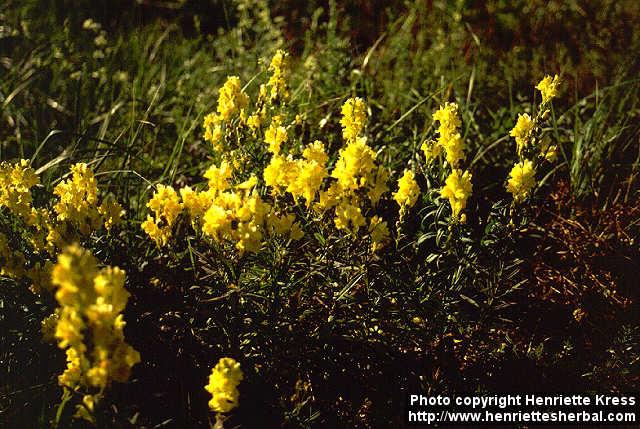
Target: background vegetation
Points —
{"points": [[328, 340]]}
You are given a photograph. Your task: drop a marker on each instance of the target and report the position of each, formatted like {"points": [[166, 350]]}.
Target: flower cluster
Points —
{"points": [[458, 186], [548, 88], [16, 181], [449, 138], [302, 177], [522, 179], [277, 84], [457, 190], [531, 146], [90, 326], [241, 215], [166, 207], [408, 190], [232, 102], [223, 212], [522, 132], [75, 215], [358, 180], [223, 385], [78, 202], [354, 118]]}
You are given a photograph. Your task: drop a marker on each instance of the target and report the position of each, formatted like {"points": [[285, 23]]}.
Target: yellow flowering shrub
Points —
{"points": [[244, 215], [76, 213], [223, 385]]}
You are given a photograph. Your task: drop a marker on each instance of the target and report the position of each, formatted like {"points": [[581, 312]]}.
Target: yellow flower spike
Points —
{"points": [[218, 177], [521, 180], [349, 216], [355, 163], [231, 99], [91, 301], [112, 213], [431, 150], [457, 190], [166, 207], [354, 118], [449, 138], [275, 135], [408, 190], [223, 385], [277, 83], [548, 87], [548, 151], [522, 131], [379, 185]]}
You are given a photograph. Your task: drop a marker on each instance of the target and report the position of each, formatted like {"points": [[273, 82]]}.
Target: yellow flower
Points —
{"points": [[349, 216], [379, 233], [219, 176], [315, 152], [196, 203], [431, 150], [453, 146], [16, 180], [237, 217], [279, 172], [90, 319], [548, 87], [379, 185], [275, 135], [277, 81], [457, 190], [166, 207], [408, 190], [231, 100], [449, 138], [328, 198], [447, 115], [522, 131], [354, 118], [78, 197], [165, 204], [521, 180], [355, 164], [254, 121], [223, 385], [548, 151], [112, 213]]}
